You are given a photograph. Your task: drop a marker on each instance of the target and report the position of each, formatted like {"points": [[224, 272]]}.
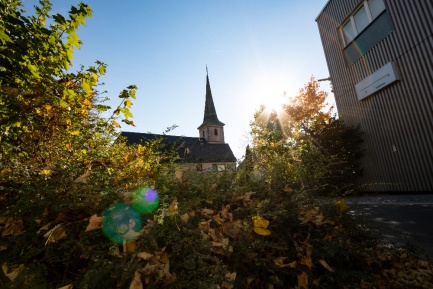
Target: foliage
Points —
{"points": [[304, 146], [63, 168]]}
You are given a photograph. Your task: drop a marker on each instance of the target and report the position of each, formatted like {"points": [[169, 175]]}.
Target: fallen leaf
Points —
{"points": [[70, 286], [136, 282], [173, 208], [45, 227], [208, 212], [13, 227], [231, 276], [341, 205], [13, 273], [3, 247], [280, 263], [95, 223], [145, 256], [205, 225], [184, 218], [303, 280], [55, 234], [261, 231], [325, 265], [260, 226]]}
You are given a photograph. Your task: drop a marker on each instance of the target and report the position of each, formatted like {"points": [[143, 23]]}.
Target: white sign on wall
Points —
{"points": [[379, 79]]}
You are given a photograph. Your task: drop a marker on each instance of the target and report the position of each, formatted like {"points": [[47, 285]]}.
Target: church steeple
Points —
{"points": [[211, 129]]}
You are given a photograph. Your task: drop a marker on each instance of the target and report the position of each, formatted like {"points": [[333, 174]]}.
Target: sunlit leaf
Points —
{"points": [[116, 124], [95, 223], [136, 282]]}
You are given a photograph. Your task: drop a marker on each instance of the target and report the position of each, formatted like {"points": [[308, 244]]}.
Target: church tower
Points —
{"points": [[212, 130]]}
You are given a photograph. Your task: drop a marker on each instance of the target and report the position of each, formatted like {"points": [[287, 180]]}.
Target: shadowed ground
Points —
{"points": [[405, 220]]}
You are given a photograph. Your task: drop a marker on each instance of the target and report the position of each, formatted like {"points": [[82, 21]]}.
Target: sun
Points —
{"points": [[274, 104]]}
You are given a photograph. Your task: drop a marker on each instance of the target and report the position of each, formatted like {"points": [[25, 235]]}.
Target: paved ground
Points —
{"points": [[404, 219]]}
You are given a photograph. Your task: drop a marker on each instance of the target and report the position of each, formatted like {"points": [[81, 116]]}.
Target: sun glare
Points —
{"points": [[274, 104]]}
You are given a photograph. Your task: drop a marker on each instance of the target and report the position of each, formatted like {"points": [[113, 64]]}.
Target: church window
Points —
{"points": [[216, 132], [203, 133]]}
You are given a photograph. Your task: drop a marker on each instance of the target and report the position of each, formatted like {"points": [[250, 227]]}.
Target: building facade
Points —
{"points": [[380, 59], [207, 152]]}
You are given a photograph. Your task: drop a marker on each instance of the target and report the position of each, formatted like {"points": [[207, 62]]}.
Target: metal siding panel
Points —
{"points": [[401, 114]]}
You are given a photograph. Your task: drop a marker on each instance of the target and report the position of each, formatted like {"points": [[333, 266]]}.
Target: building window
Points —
{"points": [[358, 21], [203, 133], [218, 168], [366, 27], [216, 132], [199, 167]]}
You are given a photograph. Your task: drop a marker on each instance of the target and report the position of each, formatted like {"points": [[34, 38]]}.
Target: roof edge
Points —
{"points": [[323, 9]]}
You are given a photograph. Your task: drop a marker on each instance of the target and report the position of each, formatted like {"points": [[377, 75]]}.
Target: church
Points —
{"points": [[207, 152]]}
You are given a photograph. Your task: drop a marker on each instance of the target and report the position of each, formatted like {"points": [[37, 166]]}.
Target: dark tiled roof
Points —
{"points": [[191, 150]]}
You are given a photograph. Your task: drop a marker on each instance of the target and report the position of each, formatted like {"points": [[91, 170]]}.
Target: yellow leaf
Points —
{"points": [[55, 234], [46, 172], [173, 208], [262, 231], [303, 280], [74, 132], [128, 103], [95, 223], [13, 272], [260, 226], [48, 107], [217, 219], [45, 227], [116, 124], [341, 205], [325, 265], [13, 227]]}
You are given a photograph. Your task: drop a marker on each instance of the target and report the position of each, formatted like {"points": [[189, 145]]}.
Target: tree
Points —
{"points": [[60, 160], [304, 146]]}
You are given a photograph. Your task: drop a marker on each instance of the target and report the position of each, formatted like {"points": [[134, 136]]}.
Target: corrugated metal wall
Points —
{"points": [[398, 120]]}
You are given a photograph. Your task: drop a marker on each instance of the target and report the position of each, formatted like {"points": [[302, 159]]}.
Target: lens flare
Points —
{"points": [[145, 200], [121, 222]]}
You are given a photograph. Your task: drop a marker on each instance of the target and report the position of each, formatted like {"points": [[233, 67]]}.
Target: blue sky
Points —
{"points": [[256, 50]]}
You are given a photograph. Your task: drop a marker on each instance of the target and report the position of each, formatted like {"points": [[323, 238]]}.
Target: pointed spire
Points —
{"points": [[210, 115]]}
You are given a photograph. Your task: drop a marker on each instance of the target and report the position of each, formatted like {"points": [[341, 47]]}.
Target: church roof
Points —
{"points": [[190, 149], [210, 115]]}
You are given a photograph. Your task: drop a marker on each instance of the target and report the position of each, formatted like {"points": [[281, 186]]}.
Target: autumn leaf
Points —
{"points": [[303, 280], [325, 265], [12, 273], [260, 226], [341, 205], [184, 218], [55, 234], [280, 263], [116, 124], [136, 282], [70, 286], [12, 227], [95, 223], [145, 256]]}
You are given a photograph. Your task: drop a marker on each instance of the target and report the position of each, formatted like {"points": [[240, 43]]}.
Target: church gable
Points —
{"points": [[208, 148]]}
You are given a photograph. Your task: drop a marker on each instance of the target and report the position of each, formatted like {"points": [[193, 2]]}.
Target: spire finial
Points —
{"points": [[207, 72]]}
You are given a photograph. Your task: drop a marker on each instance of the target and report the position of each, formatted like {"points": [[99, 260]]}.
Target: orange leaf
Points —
{"points": [[95, 223]]}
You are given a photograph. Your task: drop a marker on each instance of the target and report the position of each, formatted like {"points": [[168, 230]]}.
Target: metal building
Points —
{"points": [[380, 59]]}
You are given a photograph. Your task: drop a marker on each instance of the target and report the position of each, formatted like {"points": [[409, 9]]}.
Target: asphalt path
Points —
{"points": [[404, 220]]}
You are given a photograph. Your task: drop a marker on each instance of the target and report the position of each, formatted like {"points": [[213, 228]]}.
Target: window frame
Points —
{"points": [[351, 19]]}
